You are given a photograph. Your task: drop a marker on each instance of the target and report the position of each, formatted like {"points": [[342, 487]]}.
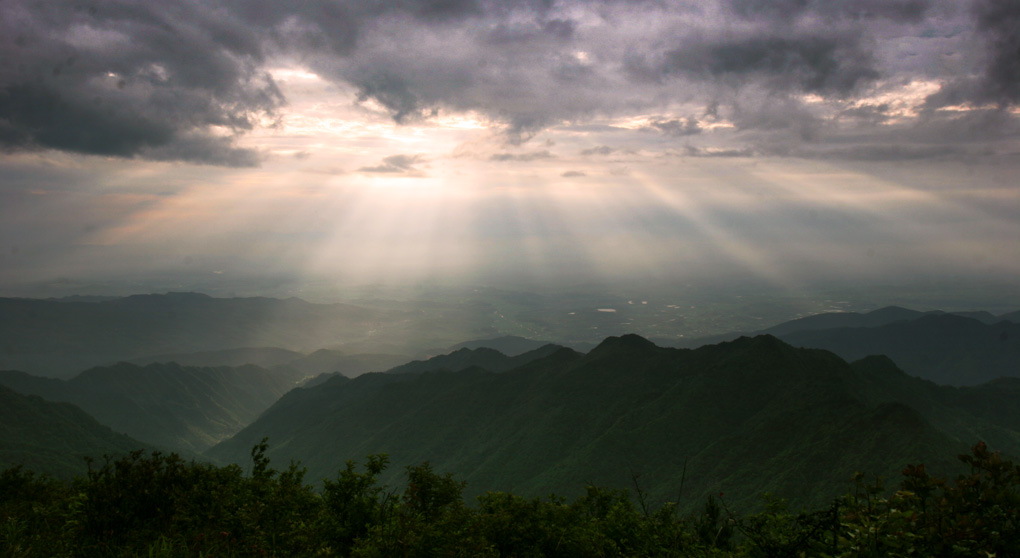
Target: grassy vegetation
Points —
{"points": [[159, 505]]}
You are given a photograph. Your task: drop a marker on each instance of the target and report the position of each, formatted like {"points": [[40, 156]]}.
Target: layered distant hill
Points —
{"points": [[513, 345], [744, 417], [53, 438], [963, 348], [179, 407], [323, 361], [483, 357], [944, 348], [509, 345], [60, 338]]}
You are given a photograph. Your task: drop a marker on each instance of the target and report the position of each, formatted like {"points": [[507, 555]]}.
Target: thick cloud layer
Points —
{"points": [[186, 80], [160, 81], [999, 22]]}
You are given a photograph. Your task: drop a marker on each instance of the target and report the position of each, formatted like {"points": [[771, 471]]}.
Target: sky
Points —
{"points": [[787, 141]]}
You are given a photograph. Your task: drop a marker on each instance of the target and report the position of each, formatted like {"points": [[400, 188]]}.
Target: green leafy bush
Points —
{"points": [[160, 505]]}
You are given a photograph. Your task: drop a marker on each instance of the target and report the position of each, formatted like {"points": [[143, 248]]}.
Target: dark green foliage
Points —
{"points": [[125, 505], [778, 533], [33, 509], [977, 514], [159, 505], [712, 527], [354, 503]]}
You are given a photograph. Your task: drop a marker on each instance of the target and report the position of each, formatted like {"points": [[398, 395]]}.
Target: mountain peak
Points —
{"points": [[759, 347], [764, 340], [626, 342]]}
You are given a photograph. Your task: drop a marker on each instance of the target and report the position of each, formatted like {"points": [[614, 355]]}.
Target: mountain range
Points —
{"points": [[740, 418], [795, 410], [959, 348]]}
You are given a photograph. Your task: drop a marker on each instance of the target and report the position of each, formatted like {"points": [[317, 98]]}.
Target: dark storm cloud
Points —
{"points": [[35, 113], [182, 81], [395, 93], [994, 73], [814, 62], [201, 148], [964, 128], [440, 10], [556, 29], [999, 22], [964, 136], [869, 113], [131, 80], [509, 60], [785, 10], [882, 153]]}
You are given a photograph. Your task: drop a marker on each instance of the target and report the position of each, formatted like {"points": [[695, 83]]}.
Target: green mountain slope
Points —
{"points": [[743, 417], [53, 438], [180, 407], [990, 411]]}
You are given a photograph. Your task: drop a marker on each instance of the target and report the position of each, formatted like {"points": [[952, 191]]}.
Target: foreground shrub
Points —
{"points": [[160, 505]]}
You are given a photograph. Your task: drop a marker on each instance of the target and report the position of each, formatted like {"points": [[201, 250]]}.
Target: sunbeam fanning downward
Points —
{"points": [[396, 231], [449, 219]]}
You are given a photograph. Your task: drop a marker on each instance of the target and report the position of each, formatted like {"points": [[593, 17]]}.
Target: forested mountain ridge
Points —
{"points": [[53, 438], [954, 348], [180, 407], [743, 417]]}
